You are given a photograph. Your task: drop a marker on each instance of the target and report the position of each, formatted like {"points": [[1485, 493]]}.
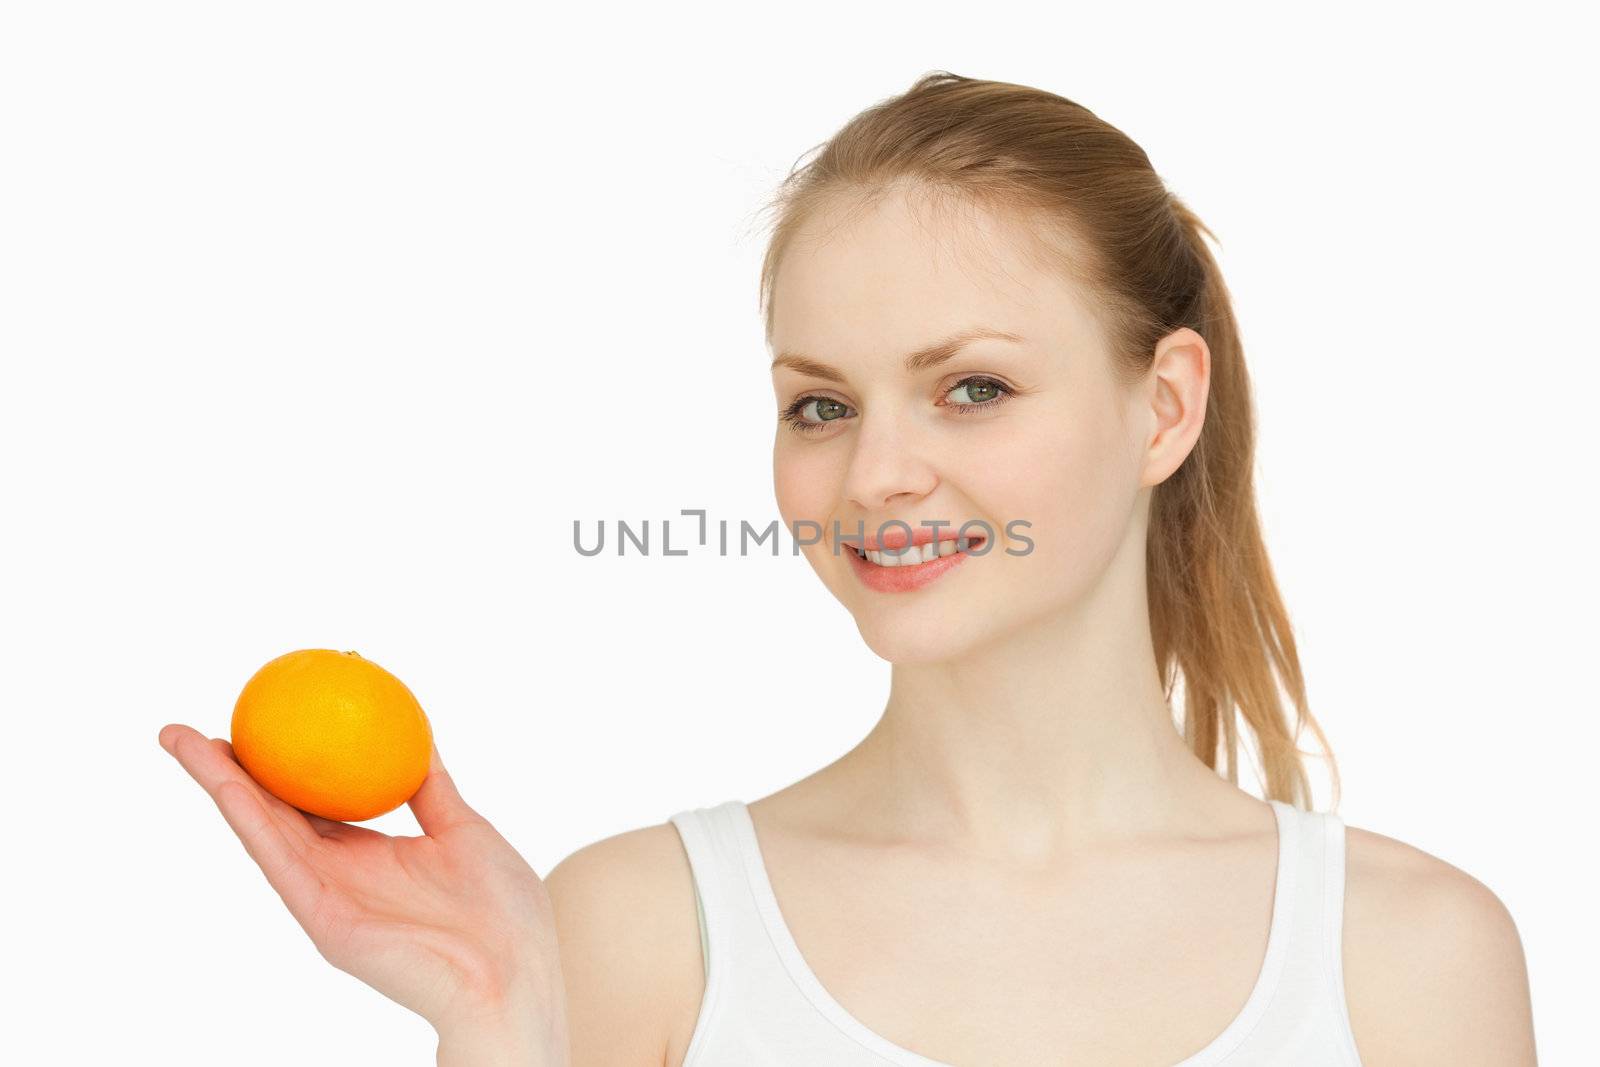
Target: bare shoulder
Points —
{"points": [[1433, 963], [630, 948]]}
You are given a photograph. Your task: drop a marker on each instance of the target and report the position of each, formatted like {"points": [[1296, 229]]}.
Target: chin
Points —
{"points": [[917, 638]]}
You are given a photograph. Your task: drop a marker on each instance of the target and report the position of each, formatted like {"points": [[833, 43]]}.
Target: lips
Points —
{"points": [[897, 570]]}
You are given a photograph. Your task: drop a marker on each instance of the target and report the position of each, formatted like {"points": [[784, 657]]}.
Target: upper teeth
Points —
{"points": [[910, 557]]}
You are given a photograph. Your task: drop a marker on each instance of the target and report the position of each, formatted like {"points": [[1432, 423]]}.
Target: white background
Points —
{"points": [[322, 322]]}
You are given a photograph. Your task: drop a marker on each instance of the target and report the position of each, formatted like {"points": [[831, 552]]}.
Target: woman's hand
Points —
{"points": [[454, 924]]}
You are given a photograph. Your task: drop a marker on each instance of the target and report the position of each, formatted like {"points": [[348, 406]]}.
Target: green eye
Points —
{"points": [[978, 390], [827, 410]]}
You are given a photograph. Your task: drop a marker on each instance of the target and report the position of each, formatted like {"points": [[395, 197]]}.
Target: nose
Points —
{"points": [[887, 464]]}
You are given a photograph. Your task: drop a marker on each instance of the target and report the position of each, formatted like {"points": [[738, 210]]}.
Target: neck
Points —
{"points": [[1053, 737]]}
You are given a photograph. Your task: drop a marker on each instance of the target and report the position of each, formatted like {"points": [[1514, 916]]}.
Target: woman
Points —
{"points": [[995, 329]]}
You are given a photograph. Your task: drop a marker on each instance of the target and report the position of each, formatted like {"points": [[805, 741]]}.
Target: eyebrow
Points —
{"points": [[922, 359]]}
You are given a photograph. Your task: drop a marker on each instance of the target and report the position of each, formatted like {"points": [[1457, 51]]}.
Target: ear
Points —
{"points": [[1178, 384]]}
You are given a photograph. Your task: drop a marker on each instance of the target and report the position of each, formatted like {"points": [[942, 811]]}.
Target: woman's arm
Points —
{"points": [[1434, 967], [630, 949]]}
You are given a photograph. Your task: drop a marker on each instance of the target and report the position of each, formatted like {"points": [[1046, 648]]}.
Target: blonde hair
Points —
{"points": [[1102, 214]]}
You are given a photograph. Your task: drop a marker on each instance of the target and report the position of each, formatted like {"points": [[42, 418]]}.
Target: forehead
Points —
{"points": [[871, 280]]}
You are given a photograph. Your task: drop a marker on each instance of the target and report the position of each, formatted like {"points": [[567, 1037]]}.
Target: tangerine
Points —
{"points": [[332, 733]]}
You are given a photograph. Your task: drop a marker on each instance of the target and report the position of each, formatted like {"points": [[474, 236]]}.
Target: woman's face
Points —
{"points": [[1048, 437]]}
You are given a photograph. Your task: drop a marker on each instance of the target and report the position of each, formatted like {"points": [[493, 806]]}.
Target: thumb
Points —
{"points": [[437, 804]]}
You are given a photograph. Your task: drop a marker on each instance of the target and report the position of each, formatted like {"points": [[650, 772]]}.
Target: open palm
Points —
{"points": [[449, 924]]}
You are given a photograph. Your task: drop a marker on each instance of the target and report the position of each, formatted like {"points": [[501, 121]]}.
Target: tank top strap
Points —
{"points": [[710, 840], [1311, 985], [749, 998], [1303, 927], [1333, 895]]}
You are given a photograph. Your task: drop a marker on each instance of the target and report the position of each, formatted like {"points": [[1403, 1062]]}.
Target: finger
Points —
{"points": [[286, 870], [169, 733], [437, 804], [305, 825], [205, 763], [287, 814], [308, 825], [211, 762]]}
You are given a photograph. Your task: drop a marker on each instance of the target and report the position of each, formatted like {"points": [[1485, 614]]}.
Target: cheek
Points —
{"points": [[805, 483], [802, 483], [1069, 478]]}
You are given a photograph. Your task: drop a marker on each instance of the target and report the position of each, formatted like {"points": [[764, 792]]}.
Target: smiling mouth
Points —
{"points": [[918, 555]]}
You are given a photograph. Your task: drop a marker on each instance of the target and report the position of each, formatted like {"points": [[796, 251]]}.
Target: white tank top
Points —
{"points": [[763, 1007]]}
